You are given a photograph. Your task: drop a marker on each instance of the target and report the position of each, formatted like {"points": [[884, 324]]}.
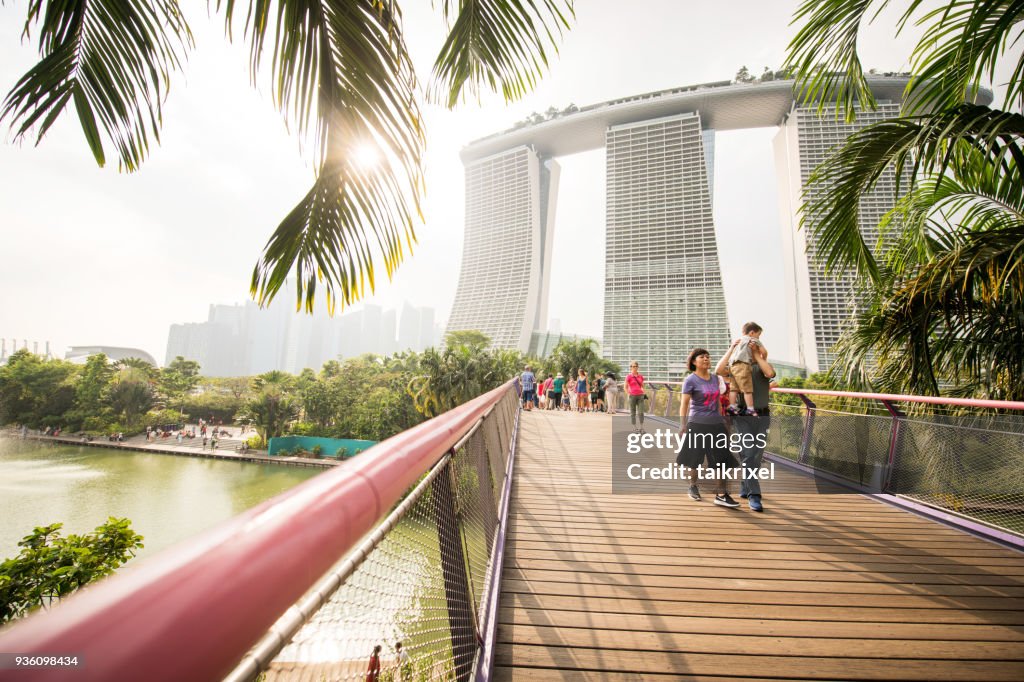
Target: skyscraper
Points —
{"points": [[821, 303], [409, 328], [663, 284], [506, 258]]}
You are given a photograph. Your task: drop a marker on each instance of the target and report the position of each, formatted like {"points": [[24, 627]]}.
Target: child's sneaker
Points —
{"points": [[733, 410], [750, 412]]}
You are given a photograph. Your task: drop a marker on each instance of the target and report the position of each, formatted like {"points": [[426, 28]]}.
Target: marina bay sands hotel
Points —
{"points": [[662, 281]]}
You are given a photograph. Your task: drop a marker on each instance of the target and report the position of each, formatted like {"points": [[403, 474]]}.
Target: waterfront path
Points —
{"points": [[226, 449], [599, 586]]}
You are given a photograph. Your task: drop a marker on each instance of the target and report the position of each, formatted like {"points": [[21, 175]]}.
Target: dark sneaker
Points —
{"points": [[744, 494], [694, 493], [732, 410], [755, 503], [726, 501], [751, 412]]}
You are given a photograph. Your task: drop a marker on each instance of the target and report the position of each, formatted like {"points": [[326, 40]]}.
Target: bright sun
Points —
{"points": [[365, 157]]}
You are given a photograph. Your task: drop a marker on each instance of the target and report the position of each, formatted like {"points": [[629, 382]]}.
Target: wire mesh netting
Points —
{"points": [[968, 464], [411, 609], [972, 466]]}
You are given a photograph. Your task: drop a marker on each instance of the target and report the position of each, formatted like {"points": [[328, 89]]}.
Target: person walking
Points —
{"points": [[404, 663], [635, 395], [557, 386], [529, 383], [611, 393], [373, 670], [761, 374], [703, 426], [581, 391]]}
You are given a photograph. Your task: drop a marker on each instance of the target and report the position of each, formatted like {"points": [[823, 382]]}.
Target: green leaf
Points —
{"points": [[501, 44], [114, 57]]}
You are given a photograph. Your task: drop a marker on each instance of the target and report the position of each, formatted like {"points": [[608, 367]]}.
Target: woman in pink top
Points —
{"points": [[635, 395]]}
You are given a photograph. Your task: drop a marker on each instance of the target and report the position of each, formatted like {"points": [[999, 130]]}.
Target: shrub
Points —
{"points": [[255, 442], [50, 567], [318, 451], [342, 453]]}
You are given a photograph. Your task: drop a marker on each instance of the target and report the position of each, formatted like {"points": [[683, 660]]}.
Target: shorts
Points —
{"points": [[706, 441], [741, 377], [528, 396]]}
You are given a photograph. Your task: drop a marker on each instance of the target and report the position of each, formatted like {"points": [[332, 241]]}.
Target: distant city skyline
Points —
{"points": [[246, 340]]}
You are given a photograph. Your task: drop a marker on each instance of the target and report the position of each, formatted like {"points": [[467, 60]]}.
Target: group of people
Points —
{"points": [[706, 410], [733, 398], [582, 394], [403, 664]]}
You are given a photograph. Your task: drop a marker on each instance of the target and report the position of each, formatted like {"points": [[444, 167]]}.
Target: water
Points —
{"points": [[167, 498]]}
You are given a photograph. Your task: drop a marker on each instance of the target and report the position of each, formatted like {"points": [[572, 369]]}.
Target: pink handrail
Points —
{"points": [[895, 398], [890, 397], [193, 610]]}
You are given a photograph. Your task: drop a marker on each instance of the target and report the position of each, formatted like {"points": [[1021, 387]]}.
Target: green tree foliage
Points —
{"points": [[338, 70], [92, 383], [177, 380], [362, 398], [460, 373], [212, 404], [50, 567], [469, 338], [570, 356], [945, 307], [273, 406], [131, 394], [35, 392]]}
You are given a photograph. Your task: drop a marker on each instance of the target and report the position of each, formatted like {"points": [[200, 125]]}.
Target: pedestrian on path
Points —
{"points": [[761, 373], [635, 395], [529, 384], [373, 671], [703, 426]]}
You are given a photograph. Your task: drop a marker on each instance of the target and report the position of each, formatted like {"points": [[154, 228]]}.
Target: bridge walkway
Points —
{"points": [[820, 586]]}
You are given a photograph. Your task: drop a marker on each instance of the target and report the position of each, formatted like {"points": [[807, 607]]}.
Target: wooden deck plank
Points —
{"points": [[756, 645], [759, 627], [557, 659], [821, 586]]}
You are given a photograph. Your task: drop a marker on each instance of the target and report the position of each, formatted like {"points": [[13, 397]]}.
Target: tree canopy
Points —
{"points": [[944, 304]]}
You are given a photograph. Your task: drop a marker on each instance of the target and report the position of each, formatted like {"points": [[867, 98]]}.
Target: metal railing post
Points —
{"points": [[895, 442], [456, 581], [805, 439]]}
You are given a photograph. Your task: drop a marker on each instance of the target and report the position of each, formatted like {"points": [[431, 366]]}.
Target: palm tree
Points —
{"points": [[946, 302], [339, 69], [273, 406]]}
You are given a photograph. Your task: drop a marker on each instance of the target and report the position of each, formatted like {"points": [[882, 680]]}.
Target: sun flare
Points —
{"points": [[365, 157]]}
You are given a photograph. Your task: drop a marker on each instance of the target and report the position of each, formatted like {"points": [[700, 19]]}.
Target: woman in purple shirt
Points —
{"points": [[701, 420]]}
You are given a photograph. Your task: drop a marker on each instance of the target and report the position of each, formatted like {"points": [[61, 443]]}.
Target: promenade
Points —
{"points": [[226, 449], [599, 586]]}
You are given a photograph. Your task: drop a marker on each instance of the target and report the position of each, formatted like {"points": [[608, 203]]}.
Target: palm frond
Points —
{"points": [[498, 43], [341, 69], [112, 59], [823, 55], [962, 44], [911, 146]]}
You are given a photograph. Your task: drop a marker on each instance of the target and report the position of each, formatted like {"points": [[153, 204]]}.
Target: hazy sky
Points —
{"points": [[92, 256]]}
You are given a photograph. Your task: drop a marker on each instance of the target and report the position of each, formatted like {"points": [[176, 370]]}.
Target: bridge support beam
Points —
{"points": [[456, 582]]}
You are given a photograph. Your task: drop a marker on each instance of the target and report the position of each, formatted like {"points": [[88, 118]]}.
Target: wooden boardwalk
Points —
{"points": [[840, 587]]}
